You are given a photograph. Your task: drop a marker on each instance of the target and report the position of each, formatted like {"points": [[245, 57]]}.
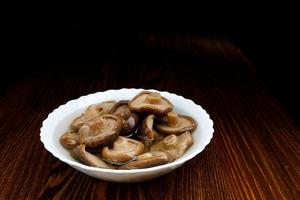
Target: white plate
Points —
{"points": [[59, 120]]}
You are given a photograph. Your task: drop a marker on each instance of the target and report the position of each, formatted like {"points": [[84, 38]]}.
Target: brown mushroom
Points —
{"points": [[146, 132], [91, 112], [174, 145], [124, 150], [149, 159], [88, 158], [100, 131], [176, 124], [69, 139], [131, 119], [150, 102]]}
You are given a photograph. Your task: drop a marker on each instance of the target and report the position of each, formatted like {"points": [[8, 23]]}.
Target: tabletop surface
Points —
{"points": [[254, 153]]}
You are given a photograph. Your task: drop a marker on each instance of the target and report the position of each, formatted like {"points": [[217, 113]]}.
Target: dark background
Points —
{"points": [[57, 37]]}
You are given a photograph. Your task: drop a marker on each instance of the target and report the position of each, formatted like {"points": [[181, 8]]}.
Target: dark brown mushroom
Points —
{"points": [[69, 139], [131, 120], [88, 158], [174, 145], [150, 102], [124, 150], [146, 132], [150, 159], [91, 112], [100, 131], [176, 124]]}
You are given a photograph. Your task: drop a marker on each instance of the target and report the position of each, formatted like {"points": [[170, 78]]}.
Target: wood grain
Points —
{"points": [[254, 154]]}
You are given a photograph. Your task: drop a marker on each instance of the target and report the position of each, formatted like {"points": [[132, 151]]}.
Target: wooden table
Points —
{"points": [[254, 154]]}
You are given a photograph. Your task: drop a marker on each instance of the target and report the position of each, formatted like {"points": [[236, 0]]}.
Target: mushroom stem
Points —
{"points": [[87, 158], [172, 118], [154, 97], [171, 140]]}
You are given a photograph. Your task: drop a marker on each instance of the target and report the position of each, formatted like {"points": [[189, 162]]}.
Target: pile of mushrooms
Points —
{"points": [[141, 133]]}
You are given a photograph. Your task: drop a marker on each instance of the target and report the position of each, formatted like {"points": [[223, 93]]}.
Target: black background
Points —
{"points": [[57, 36]]}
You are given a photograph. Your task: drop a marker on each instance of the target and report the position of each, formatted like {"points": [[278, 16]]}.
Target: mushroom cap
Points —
{"points": [[146, 132], [69, 139], [150, 102], [131, 120], [100, 131], [124, 149], [130, 125], [149, 159], [121, 109], [174, 145], [176, 124], [88, 158], [91, 112]]}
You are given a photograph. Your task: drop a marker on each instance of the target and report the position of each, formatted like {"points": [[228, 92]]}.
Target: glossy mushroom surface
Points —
{"points": [[124, 149], [174, 145], [131, 120], [150, 102], [129, 134], [91, 112], [146, 132], [69, 139], [149, 159], [88, 158], [176, 124], [100, 131]]}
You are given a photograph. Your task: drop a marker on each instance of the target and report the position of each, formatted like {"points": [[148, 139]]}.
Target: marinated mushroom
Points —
{"points": [[69, 139], [100, 131], [149, 159], [91, 112], [124, 150], [131, 120], [146, 132], [174, 145], [175, 124], [88, 158], [104, 135], [150, 102]]}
